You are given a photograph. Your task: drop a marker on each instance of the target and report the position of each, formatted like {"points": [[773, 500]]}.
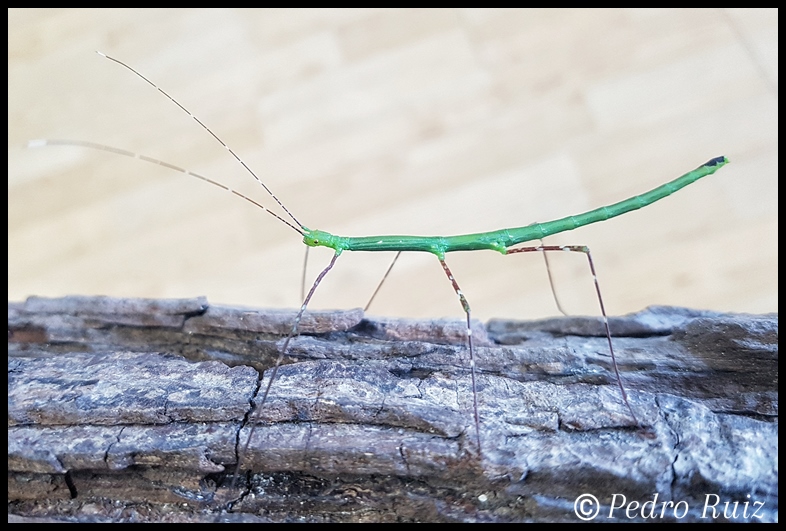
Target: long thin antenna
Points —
{"points": [[206, 128], [118, 151]]}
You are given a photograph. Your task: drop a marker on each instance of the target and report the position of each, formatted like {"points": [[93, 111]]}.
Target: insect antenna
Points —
{"points": [[118, 151], [206, 128]]}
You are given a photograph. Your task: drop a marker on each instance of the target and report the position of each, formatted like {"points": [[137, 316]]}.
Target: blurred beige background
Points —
{"points": [[375, 122]]}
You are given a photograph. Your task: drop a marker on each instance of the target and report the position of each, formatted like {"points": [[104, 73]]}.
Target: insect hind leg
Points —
{"points": [[551, 282], [585, 250]]}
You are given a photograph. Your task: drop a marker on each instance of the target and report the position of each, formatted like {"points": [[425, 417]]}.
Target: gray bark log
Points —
{"points": [[128, 410]]}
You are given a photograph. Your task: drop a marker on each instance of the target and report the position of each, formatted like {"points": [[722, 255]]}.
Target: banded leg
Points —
{"points": [[253, 418], [585, 250], [465, 305]]}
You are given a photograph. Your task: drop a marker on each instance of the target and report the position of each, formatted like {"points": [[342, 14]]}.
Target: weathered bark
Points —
{"points": [[116, 412]]}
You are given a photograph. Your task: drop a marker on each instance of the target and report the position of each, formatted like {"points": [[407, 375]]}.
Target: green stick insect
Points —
{"points": [[503, 241]]}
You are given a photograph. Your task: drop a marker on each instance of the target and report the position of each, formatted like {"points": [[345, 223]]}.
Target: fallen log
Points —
{"points": [[134, 410]]}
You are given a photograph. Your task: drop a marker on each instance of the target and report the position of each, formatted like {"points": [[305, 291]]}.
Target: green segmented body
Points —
{"points": [[501, 240]]}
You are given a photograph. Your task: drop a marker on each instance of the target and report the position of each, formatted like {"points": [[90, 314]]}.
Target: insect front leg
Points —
{"points": [[253, 418]]}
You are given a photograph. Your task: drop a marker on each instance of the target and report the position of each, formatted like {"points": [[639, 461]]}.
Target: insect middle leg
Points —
{"points": [[384, 277], [468, 312]]}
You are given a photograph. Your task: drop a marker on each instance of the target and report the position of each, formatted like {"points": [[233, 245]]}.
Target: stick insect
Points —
{"points": [[505, 241]]}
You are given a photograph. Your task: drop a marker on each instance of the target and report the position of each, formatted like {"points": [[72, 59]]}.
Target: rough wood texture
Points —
{"points": [[118, 411]]}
